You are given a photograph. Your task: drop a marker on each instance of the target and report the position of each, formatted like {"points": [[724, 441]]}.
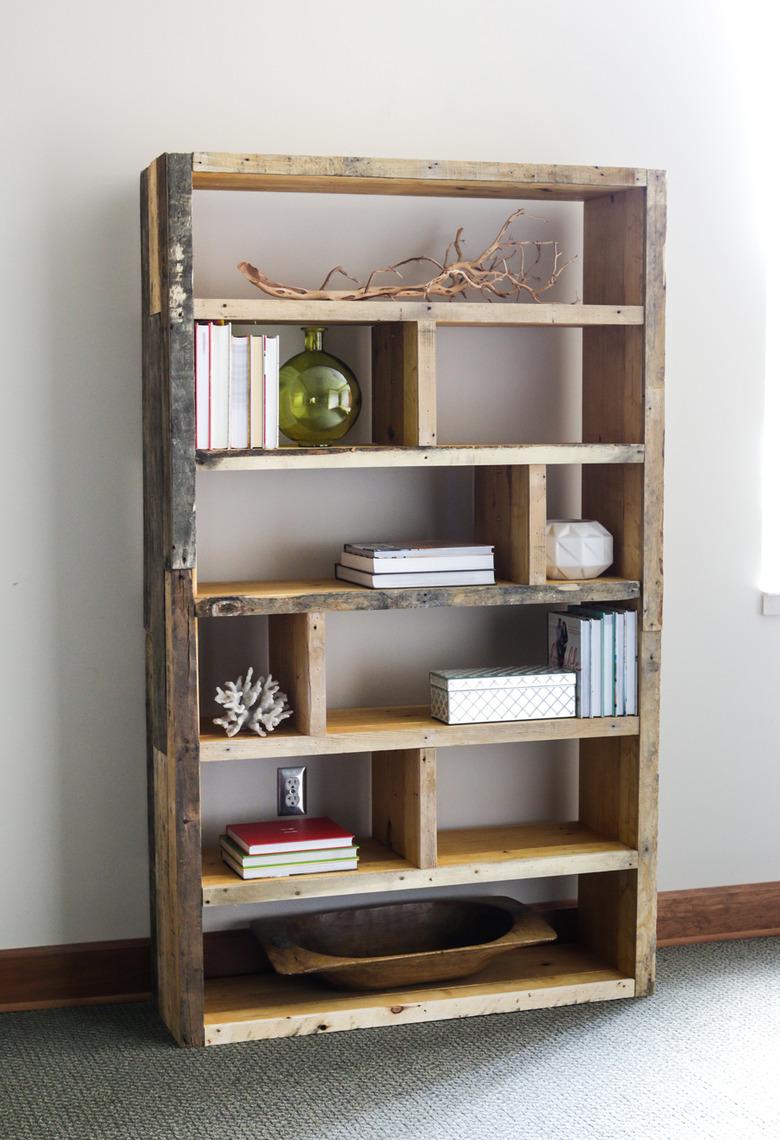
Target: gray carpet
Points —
{"points": [[701, 1059]]}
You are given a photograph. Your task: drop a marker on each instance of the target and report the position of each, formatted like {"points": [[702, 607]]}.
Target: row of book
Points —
{"points": [[274, 848], [236, 389], [386, 565], [600, 644]]}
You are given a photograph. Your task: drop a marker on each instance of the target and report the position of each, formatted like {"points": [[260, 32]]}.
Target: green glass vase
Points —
{"points": [[319, 397]]}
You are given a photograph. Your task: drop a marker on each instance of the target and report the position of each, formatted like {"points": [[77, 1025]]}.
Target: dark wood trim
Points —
{"points": [[90, 973], [86, 973], [714, 914]]}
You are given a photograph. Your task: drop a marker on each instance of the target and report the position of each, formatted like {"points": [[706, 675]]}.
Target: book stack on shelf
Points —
{"points": [[236, 389], [274, 848], [386, 565], [600, 645]]}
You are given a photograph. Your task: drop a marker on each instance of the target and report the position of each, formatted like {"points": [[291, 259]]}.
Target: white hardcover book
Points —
{"points": [[256, 392], [271, 387], [568, 639], [632, 704], [432, 578], [282, 871], [219, 374], [239, 392], [417, 565], [596, 657], [420, 548], [620, 662], [310, 855], [608, 663], [202, 383]]}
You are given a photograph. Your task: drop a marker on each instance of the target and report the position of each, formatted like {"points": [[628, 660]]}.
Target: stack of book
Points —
{"points": [[387, 565], [600, 644], [236, 389], [273, 848]]}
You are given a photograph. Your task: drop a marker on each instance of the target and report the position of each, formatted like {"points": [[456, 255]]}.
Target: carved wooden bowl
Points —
{"points": [[400, 944]]}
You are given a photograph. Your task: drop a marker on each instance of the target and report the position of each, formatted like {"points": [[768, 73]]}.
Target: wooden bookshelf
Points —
{"points": [[611, 848]]}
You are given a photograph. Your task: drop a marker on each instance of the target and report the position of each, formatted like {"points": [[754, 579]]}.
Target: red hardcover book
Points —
{"points": [[288, 834]]}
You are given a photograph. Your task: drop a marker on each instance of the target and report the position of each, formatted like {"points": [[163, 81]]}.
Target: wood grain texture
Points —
{"points": [[714, 914], [465, 856], [379, 730], [622, 400], [171, 673], [403, 803], [467, 314], [151, 251], [179, 949], [449, 455], [403, 382], [176, 247], [296, 657], [238, 599], [263, 1006], [510, 511], [352, 175]]}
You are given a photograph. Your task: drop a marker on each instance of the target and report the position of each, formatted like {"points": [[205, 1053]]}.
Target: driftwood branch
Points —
{"points": [[498, 273]]}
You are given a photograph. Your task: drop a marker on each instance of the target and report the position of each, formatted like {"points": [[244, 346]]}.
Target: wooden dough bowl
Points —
{"points": [[400, 944]]}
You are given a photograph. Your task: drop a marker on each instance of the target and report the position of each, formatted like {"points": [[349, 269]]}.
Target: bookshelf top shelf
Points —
{"points": [[319, 174], [466, 314]]}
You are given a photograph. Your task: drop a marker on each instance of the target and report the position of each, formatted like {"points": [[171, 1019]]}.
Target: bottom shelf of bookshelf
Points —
{"points": [[258, 1006]]}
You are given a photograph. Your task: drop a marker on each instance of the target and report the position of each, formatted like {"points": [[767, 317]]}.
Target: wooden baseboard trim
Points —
{"points": [[715, 914], [92, 973]]}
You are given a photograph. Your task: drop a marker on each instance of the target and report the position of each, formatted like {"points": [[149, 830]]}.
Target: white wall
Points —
{"points": [[108, 87]]}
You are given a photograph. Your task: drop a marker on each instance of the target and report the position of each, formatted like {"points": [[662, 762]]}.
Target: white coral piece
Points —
{"points": [[259, 707]]}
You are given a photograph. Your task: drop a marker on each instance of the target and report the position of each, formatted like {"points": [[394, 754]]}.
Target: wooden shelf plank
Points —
{"points": [[334, 174], [238, 599], [292, 458], [465, 855], [466, 314], [259, 1006], [376, 730]]}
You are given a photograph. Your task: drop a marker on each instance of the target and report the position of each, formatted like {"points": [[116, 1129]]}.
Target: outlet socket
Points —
{"points": [[291, 790]]}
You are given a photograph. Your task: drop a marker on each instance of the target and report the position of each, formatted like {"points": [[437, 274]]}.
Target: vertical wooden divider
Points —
{"points": [[403, 378], [622, 386], [403, 803], [510, 511], [169, 612], [296, 656]]}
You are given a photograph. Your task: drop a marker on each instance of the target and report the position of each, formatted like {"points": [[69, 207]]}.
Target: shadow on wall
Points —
{"points": [[96, 527]]}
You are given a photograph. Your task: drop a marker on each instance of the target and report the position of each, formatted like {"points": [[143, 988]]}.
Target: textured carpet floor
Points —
{"points": [[701, 1059]]}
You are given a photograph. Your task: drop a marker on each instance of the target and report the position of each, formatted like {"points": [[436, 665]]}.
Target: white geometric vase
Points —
{"points": [[577, 548]]}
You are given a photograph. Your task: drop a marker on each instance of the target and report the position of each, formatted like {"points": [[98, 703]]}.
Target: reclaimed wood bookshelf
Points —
{"points": [[611, 847]]}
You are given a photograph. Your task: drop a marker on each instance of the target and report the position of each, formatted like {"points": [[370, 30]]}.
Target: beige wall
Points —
{"points": [[108, 87]]}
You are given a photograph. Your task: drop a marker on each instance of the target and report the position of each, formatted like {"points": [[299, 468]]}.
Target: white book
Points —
{"points": [[283, 870], [256, 392], [422, 548], [239, 392], [596, 654], [202, 384], [632, 704], [432, 578], [608, 663], [271, 388], [620, 662], [417, 565], [310, 855], [569, 639], [219, 379]]}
